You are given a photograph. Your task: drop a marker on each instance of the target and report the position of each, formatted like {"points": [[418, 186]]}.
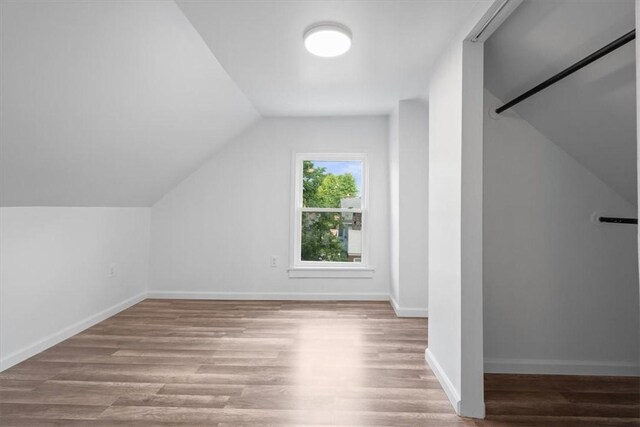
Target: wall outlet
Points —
{"points": [[274, 261], [111, 272]]}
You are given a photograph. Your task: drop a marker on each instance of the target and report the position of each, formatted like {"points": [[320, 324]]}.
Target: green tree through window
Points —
{"points": [[320, 189]]}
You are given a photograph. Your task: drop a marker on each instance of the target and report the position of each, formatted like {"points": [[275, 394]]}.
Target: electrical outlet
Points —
{"points": [[274, 261], [112, 271]]}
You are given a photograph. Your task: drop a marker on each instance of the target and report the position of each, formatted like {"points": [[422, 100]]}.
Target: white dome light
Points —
{"points": [[327, 40]]}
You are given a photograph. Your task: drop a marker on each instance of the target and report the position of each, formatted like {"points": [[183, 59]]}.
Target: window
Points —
{"points": [[330, 211]]}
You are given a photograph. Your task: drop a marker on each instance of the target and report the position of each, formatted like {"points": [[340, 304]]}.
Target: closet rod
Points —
{"points": [[572, 69], [615, 220]]}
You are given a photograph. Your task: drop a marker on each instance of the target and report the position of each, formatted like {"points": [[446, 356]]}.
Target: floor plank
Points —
{"points": [[181, 362], [234, 362], [540, 400]]}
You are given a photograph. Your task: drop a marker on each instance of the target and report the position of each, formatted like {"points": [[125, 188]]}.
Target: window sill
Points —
{"points": [[331, 272]]}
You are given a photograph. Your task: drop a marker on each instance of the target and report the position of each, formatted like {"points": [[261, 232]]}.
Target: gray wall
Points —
{"points": [[55, 278], [213, 235], [409, 176], [560, 291], [455, 222]]}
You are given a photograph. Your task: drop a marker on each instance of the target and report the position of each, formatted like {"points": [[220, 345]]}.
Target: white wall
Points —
{"points": [[53, 277], [213, 235], [455, 222], [560, 291], [394, 200], [445, 121], [408, 167]]}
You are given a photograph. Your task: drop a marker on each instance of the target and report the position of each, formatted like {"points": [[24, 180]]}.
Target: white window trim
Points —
{"points": [[331, 272], [299, 268]]}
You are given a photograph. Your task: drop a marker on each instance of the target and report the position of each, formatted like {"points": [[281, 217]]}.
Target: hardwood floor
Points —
{"points": [[234, 363], [180, 362], [561, 400]]}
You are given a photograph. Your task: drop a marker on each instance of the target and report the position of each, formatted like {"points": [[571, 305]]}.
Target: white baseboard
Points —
{"points": [[406, 311], [447, 385], [273, 296], [560, 367], [57, 337]]}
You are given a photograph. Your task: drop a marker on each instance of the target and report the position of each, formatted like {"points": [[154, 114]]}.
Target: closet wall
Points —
{"points": [[560, 291]]}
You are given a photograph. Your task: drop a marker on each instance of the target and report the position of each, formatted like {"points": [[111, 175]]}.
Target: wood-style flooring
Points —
{"points": [[561, 400], [180, 362]]}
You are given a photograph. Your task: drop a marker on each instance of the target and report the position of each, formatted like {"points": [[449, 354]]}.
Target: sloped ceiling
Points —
{"points": [[591, 114], [107, 103], [260, 44]]}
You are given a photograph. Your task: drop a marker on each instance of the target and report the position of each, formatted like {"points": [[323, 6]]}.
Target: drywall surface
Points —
{"points": [[408, 167], [395, 44], [213, 235], [596, 104], [54, 275], [445, 156], [107, 103], [638, 128], [472, 366], [560, 291], [394, 199], [455, 224]]}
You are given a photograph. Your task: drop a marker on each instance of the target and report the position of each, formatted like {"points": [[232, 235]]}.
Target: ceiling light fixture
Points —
{"points": [[327, 39]]}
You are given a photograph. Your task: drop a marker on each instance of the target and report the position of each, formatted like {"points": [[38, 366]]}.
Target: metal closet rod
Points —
{"points": [[572, 69], [616, 220]]}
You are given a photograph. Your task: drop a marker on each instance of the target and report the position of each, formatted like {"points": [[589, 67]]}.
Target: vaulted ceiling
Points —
{"points": [[107, 103], [592, 113], [112, 103], [395, 42]]}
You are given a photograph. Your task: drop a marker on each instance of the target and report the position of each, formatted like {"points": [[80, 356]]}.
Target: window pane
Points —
{"points": [[331, 184], [331, 237]]}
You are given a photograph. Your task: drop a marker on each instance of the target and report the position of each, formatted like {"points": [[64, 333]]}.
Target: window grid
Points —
{"points": [[299, 210]]}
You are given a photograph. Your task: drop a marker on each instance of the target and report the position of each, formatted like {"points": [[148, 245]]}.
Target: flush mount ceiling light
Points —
{"points": [[327, 39]]}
